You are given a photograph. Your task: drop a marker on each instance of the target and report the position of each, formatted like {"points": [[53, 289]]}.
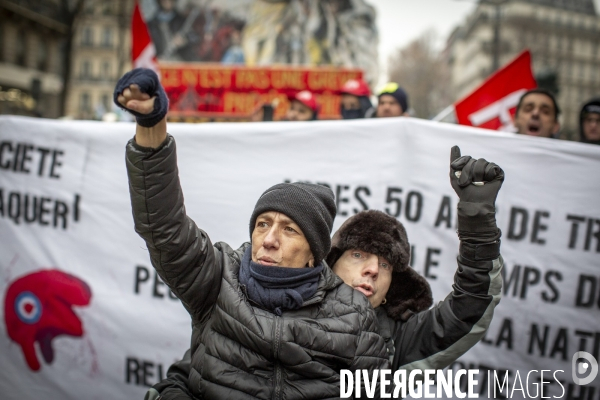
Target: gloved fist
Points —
{"points": [[474, 180], [139, 91], [477, 183]]}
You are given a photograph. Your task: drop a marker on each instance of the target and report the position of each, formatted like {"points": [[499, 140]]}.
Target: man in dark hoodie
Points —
{"points": [[589, 122], [371, 253]]}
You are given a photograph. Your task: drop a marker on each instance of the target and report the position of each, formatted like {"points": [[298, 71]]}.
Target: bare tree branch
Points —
{"points": [[421, 70]]}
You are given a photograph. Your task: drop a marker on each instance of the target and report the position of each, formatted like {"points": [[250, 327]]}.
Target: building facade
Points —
{"points": [[31, 37], [562, 35], [100, 55]]}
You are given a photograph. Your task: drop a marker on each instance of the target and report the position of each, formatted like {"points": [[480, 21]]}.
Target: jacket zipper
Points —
{"points": [[278, 369]]}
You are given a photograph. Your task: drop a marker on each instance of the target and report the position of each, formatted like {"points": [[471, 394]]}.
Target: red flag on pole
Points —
{"points": [[143, 52], [493, 104]]}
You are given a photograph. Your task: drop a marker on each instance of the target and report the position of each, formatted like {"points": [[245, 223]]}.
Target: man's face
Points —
{"points": [[350, 102], [591, 126], [166, 5], [388, 106], [299, 112], [365, 272], [277, 241], [537, 116]]}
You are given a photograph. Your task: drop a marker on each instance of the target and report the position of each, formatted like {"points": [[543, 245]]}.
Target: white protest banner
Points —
{"points": [[100, 324]]}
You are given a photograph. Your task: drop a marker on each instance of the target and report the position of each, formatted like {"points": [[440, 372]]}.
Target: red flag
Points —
{"points": [[493, 104], [143, 52]]}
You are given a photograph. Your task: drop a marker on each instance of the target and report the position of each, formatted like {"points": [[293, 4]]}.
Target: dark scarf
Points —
{"points": [[278, 288]]}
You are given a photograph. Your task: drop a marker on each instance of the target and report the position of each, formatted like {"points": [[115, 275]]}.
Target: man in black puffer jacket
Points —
{"points": [[371, 252], [271, 320]]}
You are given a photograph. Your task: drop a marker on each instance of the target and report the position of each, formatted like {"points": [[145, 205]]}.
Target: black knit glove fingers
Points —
{"points": [[148, 83], [477, 183]]}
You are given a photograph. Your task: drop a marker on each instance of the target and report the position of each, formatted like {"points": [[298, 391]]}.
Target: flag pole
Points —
{"points": [[444, 114]]}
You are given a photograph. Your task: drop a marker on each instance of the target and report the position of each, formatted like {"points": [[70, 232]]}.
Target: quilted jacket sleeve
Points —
{"points": [[371, 352], [435, 338], [181, 253], [175, 385]]}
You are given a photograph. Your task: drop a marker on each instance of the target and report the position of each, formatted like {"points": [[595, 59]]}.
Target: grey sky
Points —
{"points": [[401, 21]]}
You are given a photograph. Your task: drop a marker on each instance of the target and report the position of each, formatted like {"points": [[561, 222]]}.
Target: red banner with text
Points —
{"points": [[216, 90]]}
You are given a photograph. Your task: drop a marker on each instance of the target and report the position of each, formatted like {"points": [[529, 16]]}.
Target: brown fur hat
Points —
{"points": [[378, 233]]}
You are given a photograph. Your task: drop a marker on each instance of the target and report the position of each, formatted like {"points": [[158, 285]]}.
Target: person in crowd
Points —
{"points": [[268, 314], [392, 102], [537, 114], [234, 53], [355, 102], [170, 33], [371, 253], [263, 112], [303, 107], [589, 122]]}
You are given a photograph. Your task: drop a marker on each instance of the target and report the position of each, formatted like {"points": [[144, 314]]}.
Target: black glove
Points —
{"points": [[476, 182], [148, 82]]}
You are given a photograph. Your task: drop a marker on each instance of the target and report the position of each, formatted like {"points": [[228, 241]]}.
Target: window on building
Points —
{"points": [[86, 69], [593, 71], [87, 36], [106, 7], [107, 36], [106, 99], [2, 42], [42, 54], [106, 70], [84, 102], [595, 57], [581, 76], [89, 7], [20, 48]]}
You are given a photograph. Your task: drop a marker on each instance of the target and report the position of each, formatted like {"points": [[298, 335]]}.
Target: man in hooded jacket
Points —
{"points": [[371, 253], [589, 122]]}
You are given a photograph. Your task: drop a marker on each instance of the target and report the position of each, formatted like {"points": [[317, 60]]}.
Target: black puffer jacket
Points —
{"points": [[430, 339], [242, 351], [434, 338]]}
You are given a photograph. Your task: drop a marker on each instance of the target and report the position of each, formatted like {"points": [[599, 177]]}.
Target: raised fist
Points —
{"points": [[133, 99], [477, 183], [139, 91], [474, 180]]}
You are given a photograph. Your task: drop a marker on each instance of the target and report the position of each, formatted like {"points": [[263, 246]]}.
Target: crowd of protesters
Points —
{"points": [[537, 113]]}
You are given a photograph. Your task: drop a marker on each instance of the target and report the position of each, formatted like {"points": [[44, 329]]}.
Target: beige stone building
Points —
{"points": [[101, 54], [562, 35], [31, 34], [33, 37]]}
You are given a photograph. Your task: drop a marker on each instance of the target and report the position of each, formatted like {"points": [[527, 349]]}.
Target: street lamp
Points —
{"points": [[496, 39]]}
